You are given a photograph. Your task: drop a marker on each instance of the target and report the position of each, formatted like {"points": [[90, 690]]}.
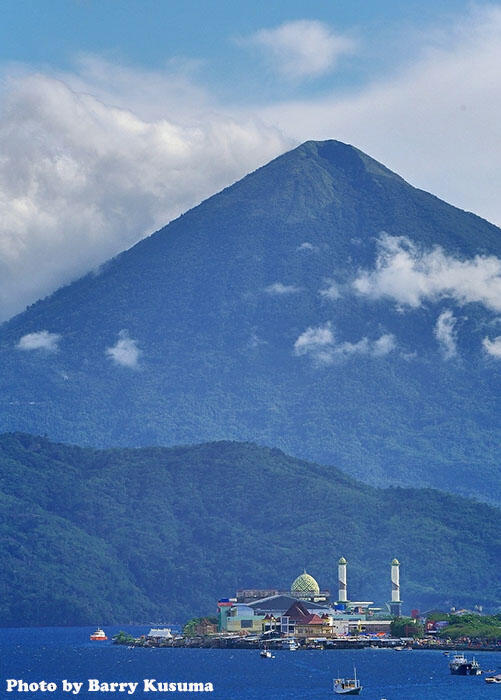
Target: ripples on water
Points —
{"points": [[52, 654]]}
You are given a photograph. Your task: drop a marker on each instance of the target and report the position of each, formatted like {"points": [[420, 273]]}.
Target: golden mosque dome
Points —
{"points": [[305, 584]]}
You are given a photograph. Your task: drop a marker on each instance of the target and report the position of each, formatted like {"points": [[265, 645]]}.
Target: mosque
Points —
{"points": [[305, 610]]}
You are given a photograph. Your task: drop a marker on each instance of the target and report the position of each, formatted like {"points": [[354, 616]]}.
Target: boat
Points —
{"points": [[493, 679], [348, 686], [290, 644], [460, 666], [266, 654], [98, 636]]}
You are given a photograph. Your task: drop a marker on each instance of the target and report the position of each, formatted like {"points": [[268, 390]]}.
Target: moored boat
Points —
{"points": [[98, 636], [266, 654], [460, 666]]}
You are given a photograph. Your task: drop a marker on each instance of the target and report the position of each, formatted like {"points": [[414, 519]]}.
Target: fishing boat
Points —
{"points": [[460, 666], [348, 686], [98, 636]]}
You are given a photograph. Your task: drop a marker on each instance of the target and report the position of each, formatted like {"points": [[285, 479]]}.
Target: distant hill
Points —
{"points": [[240, 321], [159, 534]]}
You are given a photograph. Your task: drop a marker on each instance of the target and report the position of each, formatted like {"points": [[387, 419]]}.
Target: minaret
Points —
{"points": [[341, 573], [396, 603]]}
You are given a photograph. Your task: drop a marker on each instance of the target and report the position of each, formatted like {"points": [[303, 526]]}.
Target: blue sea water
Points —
{"points": [[54, 654]]}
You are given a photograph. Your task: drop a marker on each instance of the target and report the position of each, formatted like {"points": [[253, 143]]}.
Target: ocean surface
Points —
{"points": [[54, 654]]}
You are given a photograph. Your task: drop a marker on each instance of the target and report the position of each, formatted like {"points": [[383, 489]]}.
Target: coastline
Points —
{"points": [[226, 642]]}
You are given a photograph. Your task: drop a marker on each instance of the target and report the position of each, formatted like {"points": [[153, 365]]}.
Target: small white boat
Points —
{"points": [[493, 679], [348, 686], [266, 654]]}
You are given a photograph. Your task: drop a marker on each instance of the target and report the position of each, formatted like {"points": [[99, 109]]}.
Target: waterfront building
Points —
{"points": [[160, 633], [242, 619], [298, 621], [304, 611], [278, 604]]}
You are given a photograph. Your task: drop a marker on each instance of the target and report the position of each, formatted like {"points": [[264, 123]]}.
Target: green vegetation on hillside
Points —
{"points": [[138, 535], [472, 626]]}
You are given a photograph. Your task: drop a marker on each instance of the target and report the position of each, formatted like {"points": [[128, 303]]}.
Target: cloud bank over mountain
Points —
{"points": [[82, 179]]}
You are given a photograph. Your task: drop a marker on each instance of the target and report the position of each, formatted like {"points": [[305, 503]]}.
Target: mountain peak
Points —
{"points": [[345, 157]]}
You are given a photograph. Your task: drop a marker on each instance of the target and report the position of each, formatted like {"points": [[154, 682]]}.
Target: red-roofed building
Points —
{"points": [[299, 622]]}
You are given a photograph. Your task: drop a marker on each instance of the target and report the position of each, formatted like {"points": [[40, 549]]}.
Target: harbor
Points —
{"points": [[54, 653], [227, 641], [305, 617]]}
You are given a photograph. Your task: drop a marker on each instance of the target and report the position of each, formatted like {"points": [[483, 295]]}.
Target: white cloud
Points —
{"points": [[314, 338], [331, 291], [281, 289], [319, 343], [410, 276], [125, 352], [302, 48], [383, 345], [445, 333], [40, 340], [308, 247], [493, 347], [82, 179]]}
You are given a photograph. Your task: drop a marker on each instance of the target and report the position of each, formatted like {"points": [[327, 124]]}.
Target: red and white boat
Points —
{"points": [[98, 636]]}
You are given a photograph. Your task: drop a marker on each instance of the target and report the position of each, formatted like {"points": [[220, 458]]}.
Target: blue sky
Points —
{"points": [[117, 115], [148, 32]]}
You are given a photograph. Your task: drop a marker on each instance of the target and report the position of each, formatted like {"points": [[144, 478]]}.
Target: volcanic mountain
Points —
{"points": [[321, 305]]}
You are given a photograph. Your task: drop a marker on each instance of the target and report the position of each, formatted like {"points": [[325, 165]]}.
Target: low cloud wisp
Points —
{"points": [[319, 343], [40, 340], [125, 352], [445, 334], [493, 347], [279, 289], [410, 276]]}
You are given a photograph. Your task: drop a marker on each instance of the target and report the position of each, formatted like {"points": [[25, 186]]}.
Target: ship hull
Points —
{"points": [[465, 670]]}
